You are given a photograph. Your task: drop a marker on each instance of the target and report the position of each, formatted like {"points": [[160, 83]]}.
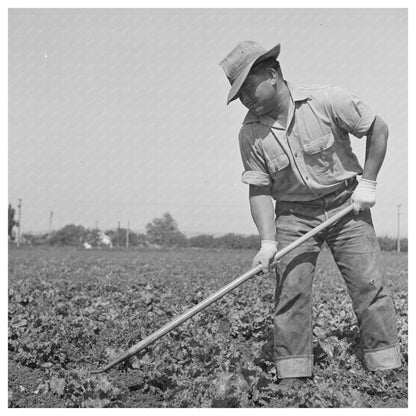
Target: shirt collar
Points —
{"points": [[295, 92]]}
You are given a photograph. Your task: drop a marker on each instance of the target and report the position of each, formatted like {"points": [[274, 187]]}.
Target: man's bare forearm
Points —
{"points": [[262, 211], [376, 147]]}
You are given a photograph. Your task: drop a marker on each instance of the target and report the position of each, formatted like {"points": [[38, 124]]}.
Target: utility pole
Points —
{"points": [[19, 222], [118, 234], [398, 227], [127, 234], [50, 222]]}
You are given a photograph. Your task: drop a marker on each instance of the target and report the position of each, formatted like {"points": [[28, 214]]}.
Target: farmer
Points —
{"points": [[296, 150]]}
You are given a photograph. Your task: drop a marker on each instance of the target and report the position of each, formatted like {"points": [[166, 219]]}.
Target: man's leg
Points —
{"points": [[356, 251], [293, 311]]}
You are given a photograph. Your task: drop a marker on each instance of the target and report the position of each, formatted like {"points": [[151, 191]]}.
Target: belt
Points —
{"points": [[344, 185], [347, 184]]}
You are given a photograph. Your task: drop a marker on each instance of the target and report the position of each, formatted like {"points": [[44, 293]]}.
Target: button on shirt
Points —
{"points": [[312, 156]]}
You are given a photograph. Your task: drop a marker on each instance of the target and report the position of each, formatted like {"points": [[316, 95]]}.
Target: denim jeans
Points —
{"points": [[355, 248]]}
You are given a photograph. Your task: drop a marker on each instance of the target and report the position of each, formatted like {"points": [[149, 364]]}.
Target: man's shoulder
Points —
{"points": [[316, 91], [253, 129], [257, 125]]}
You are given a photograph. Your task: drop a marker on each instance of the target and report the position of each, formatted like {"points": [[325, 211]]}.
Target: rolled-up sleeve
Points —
{"points": [[255, 169], [352, 115]]}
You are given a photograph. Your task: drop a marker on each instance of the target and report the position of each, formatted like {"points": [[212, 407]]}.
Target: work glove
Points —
{"points": [[266, 255], [364, 195]]}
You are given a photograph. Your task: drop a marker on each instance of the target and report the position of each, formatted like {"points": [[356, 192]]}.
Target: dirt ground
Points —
{"points": [[24, 384], [67, 310], [25, 390]]}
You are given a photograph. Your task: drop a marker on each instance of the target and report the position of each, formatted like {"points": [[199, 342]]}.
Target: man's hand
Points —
{"points": [[266, 255], [364, 196]]}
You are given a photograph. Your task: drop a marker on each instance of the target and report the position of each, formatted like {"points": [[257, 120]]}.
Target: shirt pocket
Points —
{"points": [[321, 156], [278, 163], [318, 145], [275, 156]]}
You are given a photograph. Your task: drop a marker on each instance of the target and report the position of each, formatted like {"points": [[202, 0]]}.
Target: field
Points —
{"points": [[71, 311]]}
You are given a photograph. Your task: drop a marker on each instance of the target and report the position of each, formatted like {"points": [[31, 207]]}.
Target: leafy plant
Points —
{"points": [[71, 311]]}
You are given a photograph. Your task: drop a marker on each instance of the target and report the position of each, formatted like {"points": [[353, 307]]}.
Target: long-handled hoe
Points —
{"points": [[219, 294]]}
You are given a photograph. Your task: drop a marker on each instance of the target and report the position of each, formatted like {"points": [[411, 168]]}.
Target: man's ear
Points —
{"points": [[273, 76]]}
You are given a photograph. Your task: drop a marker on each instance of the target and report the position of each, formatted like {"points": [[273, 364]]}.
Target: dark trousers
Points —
{"points": [[355, 248]]}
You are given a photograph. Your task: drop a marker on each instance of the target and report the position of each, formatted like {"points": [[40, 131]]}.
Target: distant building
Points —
{"points": [[96, 239], [105, 240]]}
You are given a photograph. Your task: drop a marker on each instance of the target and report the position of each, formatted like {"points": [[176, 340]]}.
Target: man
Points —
{"points": [[296, 149]]}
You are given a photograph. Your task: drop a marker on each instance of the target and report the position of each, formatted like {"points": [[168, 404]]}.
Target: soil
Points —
{"points": [[23, 385], [24, 391]]}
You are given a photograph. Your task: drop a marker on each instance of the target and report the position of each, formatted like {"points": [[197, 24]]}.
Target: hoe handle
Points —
{"points": [[219, 294]]}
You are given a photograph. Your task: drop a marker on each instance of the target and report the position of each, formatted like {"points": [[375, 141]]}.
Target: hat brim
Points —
{"points": [[235, 88]]}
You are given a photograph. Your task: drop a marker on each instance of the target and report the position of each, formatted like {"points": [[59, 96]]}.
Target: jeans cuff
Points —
{"points": [[294, 366], [385, 358]]}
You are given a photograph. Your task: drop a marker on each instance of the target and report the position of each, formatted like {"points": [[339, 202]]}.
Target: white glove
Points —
{"points": [[266, 255], [364, 196]]}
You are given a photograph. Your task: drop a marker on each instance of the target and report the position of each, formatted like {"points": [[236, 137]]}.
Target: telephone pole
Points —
{"points": [[19, 222], [50, 222], [127, 234], [398, 227]]}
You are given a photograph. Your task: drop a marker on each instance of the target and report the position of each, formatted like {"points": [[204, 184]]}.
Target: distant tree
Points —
{"points": [[387, 243], [164, 232], [390, 244], [137, 239], [116, 238], [70, 235], [35, 239], [252, 241], [231, 240], [404, 244], [202, 241], [113, 235], [122, 237], [12, 222], [28, 238], [92, 237]]}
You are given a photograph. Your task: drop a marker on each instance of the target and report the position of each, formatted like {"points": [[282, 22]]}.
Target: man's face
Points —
{"points": [[258, 93]]}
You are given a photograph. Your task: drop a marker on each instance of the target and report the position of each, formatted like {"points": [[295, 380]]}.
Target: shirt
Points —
{"points": [[312, 156]]}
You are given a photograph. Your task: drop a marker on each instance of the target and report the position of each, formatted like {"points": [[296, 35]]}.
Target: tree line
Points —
{"points": [[162, 232]]}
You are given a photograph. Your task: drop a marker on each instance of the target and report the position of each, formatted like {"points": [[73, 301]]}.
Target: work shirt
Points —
{"points": [[312, 156]]}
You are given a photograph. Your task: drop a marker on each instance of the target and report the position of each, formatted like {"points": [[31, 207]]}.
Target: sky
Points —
{"points": [[120, 115]]}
